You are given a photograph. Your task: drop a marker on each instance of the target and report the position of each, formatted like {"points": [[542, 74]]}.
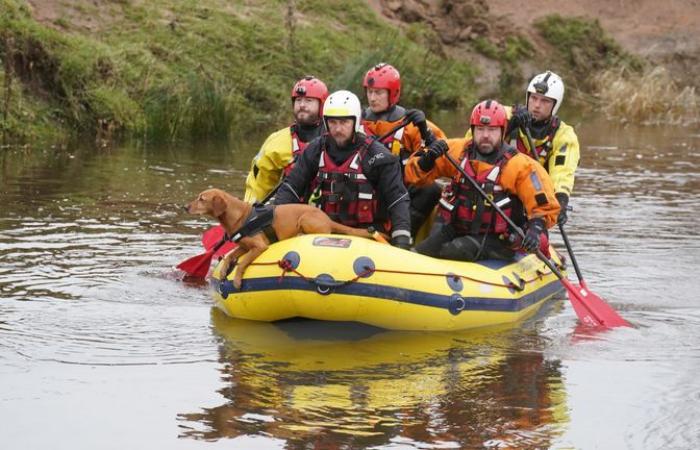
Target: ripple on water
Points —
{"points": [[94, 334]]}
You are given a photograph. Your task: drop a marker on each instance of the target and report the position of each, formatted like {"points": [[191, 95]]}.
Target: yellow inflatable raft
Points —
{"points": [[343, 278]]}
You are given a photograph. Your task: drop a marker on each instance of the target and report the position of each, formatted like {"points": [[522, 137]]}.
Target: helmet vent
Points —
{"points": [[485, 120]]}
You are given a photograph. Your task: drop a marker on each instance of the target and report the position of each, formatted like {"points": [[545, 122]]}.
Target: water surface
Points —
{"points": [[102, 345]]}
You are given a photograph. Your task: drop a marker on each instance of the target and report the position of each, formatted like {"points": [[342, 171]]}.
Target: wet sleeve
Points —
{"points": [[414, 175], [266, 167], [413, 141], [527, 179], [564, 159]]}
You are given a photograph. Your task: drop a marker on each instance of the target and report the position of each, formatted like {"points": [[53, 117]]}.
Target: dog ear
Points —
{"points": [[218, 205]]}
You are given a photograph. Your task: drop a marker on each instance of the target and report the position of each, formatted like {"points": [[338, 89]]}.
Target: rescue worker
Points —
{"points": [[556, 144], [351, 177], [279, 151], [382, 85], [467, 228]]}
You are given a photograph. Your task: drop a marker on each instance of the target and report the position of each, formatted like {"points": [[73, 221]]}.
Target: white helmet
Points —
{"points": [[342, 104], [548, 84]]}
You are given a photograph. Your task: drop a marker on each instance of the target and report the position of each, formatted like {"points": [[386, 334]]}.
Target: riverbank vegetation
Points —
{"points": [[166, 70], [650, 96]]}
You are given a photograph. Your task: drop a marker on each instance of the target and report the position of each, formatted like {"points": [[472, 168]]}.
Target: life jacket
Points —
{"points": [[543, 151], [394, 143], [463, 207], [258, 221], [344, 193], [298, 147]]}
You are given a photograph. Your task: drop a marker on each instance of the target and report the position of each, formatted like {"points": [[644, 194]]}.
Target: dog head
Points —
{"points": [[210, 202]]}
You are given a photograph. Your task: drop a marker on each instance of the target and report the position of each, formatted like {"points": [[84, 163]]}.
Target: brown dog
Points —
{"points": [[288, 221]]}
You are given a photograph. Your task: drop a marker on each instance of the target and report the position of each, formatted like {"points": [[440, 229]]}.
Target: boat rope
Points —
{"points": [[287, 267]]}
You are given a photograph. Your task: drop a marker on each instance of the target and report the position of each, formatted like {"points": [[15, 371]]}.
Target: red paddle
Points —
{"points": [[198, 266], [212, 236], [590, 309], [593, 304]]}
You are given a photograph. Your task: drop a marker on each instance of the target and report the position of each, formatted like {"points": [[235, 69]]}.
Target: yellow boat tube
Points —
{"points": [[344, 278]]}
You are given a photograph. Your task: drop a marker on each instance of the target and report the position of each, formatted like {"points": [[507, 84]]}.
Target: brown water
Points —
{"points": [[101, 346]]}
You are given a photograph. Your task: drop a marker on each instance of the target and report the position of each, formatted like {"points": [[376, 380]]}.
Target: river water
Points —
{"points": [[102, 346]]}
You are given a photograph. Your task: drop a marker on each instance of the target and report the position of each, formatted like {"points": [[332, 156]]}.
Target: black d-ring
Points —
{"points": [[457, 304], [325, 284]]}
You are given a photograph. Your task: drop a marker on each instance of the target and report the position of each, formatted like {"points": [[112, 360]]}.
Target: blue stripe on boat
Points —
{"points": [[392, 293]]}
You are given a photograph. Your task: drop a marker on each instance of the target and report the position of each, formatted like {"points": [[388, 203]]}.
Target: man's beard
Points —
{"points": [[344, 143], [486, 148], [306, 118]]}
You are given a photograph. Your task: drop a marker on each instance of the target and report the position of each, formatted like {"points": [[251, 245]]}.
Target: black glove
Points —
{"points": [[563, 200], [402, 241], [521, 118], [535, 228], [429, 139], [431, 153], [417, 118]]}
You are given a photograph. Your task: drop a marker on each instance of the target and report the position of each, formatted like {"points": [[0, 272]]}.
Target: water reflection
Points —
{"points": [[92, 314], [318, 385]]}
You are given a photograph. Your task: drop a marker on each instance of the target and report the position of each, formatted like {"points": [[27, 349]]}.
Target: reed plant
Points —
{"points": [[650, 97]]}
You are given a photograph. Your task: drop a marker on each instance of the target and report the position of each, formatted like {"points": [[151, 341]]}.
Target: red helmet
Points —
{"points": [[312, 87], [384, 76], [489, 113]]}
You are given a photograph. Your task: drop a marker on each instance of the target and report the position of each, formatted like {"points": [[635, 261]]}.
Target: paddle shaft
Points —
{"points": [[571, 254], [530, 143]]}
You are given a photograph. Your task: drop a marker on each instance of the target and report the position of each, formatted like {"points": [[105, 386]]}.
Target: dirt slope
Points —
{"points": [[664, 32]]}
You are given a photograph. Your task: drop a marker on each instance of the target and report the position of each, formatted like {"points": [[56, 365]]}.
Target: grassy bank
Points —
{"points": [[170, 70], [581, 49]]}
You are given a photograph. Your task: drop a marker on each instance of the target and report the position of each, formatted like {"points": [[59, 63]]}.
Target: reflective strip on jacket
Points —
{"points": [[345, 193], [559, 155], [560, 158], [468, 212], [521, 176], [405, 142]]}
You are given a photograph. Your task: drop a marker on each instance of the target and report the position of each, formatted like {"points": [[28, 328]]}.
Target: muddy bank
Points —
{"points": [[489, 31]]}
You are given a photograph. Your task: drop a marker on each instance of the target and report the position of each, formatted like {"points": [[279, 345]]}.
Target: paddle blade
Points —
{"points": [[212, 236], [227, 247], [197, 266], [591, 309]]}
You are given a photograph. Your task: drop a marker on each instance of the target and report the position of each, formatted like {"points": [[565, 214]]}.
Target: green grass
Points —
{"points": [[582, 45], [510, 52], [167, 70]]}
